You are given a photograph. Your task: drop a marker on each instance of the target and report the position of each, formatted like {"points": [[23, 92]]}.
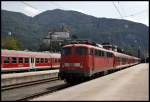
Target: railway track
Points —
{"points": [[9, 87], [26, 91], [52, 89]]}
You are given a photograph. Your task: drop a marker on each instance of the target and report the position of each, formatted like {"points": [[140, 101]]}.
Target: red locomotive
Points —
{"points": [[12, 60], [82, 60]]}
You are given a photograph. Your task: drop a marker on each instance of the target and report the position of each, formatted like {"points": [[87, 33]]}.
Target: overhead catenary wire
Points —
{"points": [[122, 9], [137, 13], [38, 9], [117, 10], [30, 5], [131, 15]]}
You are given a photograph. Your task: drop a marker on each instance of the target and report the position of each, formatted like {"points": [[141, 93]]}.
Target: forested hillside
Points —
{"points": [[29, 30]]}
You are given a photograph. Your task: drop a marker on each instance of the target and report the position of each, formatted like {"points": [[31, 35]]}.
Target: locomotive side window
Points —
{"points": [[91, 52], [20, 60], [26, 60], [66, 51], [81, 51], [109, 54], [96, 52], [102, 53], [14, 60], [6, 59]]}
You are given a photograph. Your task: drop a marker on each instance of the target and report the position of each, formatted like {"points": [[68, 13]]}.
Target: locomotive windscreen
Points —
{"points": [[66, 51], [81, 51]]}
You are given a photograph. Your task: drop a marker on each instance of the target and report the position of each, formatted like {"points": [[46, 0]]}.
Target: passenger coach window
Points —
{"points": [[37, 60], [20, 60], [66, 51], [32, 60], [46, 60], [6, 60], [81, 51], [42, 60], [26, 60], [14, 60]]}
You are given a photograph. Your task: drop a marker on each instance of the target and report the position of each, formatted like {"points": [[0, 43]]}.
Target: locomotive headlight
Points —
{"points": [[72, 65]]}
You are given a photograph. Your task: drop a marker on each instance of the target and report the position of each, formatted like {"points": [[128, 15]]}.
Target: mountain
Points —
{"points": [[29, 30]]}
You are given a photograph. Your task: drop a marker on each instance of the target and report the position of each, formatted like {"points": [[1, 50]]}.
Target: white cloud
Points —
{"points": [[31, 11]]}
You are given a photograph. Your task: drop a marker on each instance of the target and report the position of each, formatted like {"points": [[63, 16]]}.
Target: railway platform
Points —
{"points": [[18, 78], [129, 84]]}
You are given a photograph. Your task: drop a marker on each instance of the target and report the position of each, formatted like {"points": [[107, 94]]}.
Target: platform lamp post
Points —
{"points": [[50, 40], [137, 53]]}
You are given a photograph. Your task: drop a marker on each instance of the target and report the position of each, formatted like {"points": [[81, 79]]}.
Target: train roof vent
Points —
{"points": [[82, 42]]}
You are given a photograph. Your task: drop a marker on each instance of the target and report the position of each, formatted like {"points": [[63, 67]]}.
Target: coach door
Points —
{"points": [[32, 63]]}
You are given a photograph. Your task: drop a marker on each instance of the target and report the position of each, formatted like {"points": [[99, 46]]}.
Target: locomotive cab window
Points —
{"points": [[66, 51], [6, 60], [81, 51]]}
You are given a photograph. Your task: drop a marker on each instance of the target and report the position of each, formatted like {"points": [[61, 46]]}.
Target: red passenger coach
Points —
{"points": [[85, 60], [12, 60]]}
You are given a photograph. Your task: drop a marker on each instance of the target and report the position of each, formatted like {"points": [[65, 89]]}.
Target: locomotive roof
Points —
{"points": [[88, 46], [14, 53], [117, 54]]}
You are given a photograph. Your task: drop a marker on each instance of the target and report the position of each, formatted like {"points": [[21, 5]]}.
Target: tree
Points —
{"points": [[10, 43]]}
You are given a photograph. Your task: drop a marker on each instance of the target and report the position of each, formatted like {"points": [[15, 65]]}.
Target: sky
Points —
{"points": [[137, 11]]}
